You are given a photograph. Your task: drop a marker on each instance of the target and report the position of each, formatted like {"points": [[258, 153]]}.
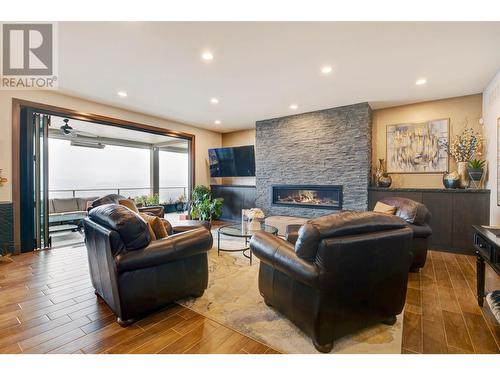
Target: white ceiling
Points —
{"points": [[117, 133], [260, 69]]}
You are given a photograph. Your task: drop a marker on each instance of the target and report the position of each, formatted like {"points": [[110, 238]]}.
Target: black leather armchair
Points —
{"points": [[135, 275], [417, 217], [346, 271]]}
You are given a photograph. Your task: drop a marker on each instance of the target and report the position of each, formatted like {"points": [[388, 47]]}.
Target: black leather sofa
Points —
{"points": [[345, 272], [135, 275]]}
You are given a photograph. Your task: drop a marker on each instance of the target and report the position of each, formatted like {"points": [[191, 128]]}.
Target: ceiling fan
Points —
{"points": [[69, 131]]}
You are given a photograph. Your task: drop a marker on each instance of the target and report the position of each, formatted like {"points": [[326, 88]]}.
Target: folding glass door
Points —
{"points": [[34, 181]]}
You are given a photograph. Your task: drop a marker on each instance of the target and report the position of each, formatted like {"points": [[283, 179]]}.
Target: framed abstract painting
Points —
{"points": [[417, 147]]}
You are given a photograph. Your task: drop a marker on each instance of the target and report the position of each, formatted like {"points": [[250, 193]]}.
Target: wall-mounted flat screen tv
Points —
{"points": [[232, 161]]}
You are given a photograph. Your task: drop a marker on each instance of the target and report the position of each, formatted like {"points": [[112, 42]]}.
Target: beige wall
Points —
{"points": [[239, 138], [491, 117], [458, 110], [204, 140]]}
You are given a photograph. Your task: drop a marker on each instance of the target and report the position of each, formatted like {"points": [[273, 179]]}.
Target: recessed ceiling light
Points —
{"points": [[217, 122], [123, 94], [214, 100], [207, 56], [421, 81], [294, 106], [326, 69]]}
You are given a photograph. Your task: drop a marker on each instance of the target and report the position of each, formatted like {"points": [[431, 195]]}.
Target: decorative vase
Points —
{"points": [[475, 174], [254, 225], [462, 172], [451, 180], [385, 181], [379, 172]]}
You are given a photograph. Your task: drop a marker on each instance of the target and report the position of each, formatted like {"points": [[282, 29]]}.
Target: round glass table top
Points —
{"points": [[236, 230]]}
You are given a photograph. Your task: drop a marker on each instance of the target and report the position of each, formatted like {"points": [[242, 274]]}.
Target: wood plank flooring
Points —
{"points": [[441, 312], [47, 305]]}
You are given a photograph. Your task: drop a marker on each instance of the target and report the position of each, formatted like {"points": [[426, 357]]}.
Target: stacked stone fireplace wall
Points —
{"points": [[327, 147]]}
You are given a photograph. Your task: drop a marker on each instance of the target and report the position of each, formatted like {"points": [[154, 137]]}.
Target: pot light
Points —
{"points": [[207, 56], [326, 69], [217, 122], [294, 106], [214, 100], [123, 94], [420, 82]]}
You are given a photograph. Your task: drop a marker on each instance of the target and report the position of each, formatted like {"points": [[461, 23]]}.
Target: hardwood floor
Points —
{"points": [[441, 312], [47, 305]]}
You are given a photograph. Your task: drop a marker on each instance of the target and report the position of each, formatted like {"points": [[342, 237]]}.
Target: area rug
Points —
{"points": [[233, 299]]}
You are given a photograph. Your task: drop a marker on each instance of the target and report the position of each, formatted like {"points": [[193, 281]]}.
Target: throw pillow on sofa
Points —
{"points": [[156, 225], [385, 208], [130, 204]]}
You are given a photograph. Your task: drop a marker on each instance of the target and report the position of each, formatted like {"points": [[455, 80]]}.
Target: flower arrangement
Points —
{"points": [[465, 145], [255, 213]]}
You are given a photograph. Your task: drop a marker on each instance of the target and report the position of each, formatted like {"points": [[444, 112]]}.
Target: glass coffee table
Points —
{"points": [[235, 230]]}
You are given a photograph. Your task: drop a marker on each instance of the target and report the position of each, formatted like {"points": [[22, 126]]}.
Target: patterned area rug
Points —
{"points": [[233, 299]]}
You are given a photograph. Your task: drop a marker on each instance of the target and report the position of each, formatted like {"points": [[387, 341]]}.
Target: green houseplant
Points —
{"points": [[475, 168], [147, 200], [203, 207]]}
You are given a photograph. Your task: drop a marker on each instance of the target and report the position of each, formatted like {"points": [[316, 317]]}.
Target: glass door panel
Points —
{"points": [[40, 172]]}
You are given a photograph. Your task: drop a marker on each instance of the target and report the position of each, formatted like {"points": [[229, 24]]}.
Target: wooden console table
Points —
{"points": [[487, 247]]}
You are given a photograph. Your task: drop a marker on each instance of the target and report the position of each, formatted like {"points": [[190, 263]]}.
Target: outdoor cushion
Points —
{"points": [[51, 206], [65, 205], [82, 202]]}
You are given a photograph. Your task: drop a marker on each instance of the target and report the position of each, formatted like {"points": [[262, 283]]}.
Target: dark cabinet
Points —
{"points": [[236, 198], [453, 213]]}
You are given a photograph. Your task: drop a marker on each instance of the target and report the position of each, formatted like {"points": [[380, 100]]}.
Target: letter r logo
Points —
{"points": [[27, 49]]}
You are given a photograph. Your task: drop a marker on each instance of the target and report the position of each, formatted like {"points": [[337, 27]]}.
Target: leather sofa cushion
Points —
{"points": [[132, 229], [65, 205], [407, 209], [341, 224], [420, 231], [107, 199]]}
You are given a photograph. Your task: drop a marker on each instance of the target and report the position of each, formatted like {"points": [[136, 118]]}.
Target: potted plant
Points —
{"points": [[170, 206], [181, 203], [147, 200], [476, 169], [203, 207], [462, 149]]}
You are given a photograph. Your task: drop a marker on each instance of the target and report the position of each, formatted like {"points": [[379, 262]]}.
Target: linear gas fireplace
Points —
{"points": [[310, 196]]}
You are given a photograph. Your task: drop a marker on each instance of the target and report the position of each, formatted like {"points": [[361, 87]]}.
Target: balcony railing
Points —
{"points": [[166, 193]]}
